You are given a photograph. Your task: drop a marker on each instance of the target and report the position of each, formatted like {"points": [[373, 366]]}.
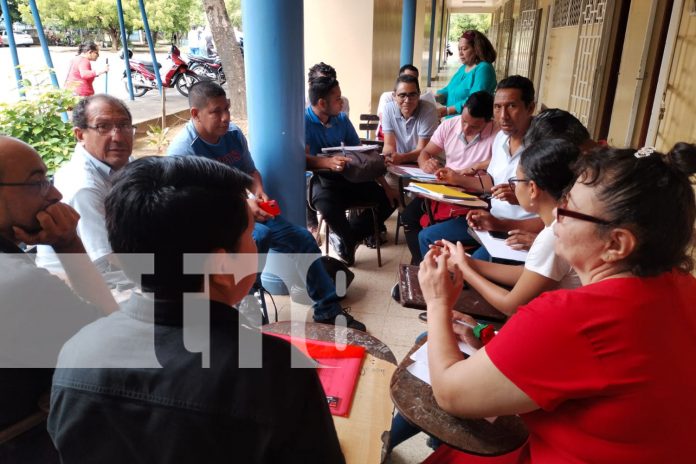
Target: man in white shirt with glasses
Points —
{"points": [[104, 130]]}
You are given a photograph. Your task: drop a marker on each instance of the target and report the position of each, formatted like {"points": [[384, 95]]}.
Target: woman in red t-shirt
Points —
{"points": [[599, 374], [80, 75]]}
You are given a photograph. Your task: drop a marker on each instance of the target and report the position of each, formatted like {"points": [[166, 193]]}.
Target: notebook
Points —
{"points": [[338, 369]]}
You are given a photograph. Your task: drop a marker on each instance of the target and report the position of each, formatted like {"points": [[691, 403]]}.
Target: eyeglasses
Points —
{"points": [[561, 212], [109, 128], [514, 180], [404, 96], [42, 185]]}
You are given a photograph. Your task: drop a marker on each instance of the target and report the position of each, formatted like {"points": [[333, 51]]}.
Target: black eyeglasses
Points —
{"points": [[404, 96], [513, 180], [561, 212], [110, 128], [42, 185]]}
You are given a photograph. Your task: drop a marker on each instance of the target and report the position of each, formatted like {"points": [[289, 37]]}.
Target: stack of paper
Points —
{"points": [[414, 172], [351, 148], [440, 191]]}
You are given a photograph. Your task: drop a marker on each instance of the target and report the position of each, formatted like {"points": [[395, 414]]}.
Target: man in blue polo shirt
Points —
{"points": [[327, 126], [210, 134]]}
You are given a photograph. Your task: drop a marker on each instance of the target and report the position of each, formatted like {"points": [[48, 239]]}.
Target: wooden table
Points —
{"points": [[364, 434], [415, 401]]}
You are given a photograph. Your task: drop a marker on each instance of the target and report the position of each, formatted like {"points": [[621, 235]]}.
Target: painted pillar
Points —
{"points": [[124, 49], [433, 10], [13, 46], [151, 46], [274, 65], [408, 30]]}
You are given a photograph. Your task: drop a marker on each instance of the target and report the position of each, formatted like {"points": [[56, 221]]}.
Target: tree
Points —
{"points": [[164, 16], [460, 22], [230, 54]]}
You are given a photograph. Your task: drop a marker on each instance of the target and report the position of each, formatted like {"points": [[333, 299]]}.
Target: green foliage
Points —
{"points": [[460, 22], [37, 121], [165, 16], [234, 11], [157, 137]]}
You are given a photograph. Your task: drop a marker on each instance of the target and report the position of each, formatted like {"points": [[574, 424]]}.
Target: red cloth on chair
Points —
{"points": [[448, 455]]}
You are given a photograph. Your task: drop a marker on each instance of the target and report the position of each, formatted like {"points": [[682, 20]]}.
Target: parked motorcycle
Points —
{"points": [[178, 76], [207, 67]]}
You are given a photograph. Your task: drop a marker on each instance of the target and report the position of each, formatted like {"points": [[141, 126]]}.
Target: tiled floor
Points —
{"points": [[370, 302]]}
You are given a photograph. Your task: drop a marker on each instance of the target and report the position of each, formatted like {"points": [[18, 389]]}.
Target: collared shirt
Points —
{"points": [[232, 148], [276, 413], [339, 129], [503, 166], [421, 125], [458, 153], [84, 183]]}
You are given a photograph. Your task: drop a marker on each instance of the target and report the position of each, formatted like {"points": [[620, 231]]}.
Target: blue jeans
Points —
{"points": [[454, 230], [281, 236]]}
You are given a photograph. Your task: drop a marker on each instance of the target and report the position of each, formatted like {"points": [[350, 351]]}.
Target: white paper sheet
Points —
{"points": [[497, 248]]}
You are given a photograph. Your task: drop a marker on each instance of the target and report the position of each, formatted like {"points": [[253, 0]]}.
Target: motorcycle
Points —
{"points": [[207, 67], [179, 76]]}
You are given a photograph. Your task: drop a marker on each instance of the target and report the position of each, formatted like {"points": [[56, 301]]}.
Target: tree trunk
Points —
{"points": [[115, 36], [230, 54]]}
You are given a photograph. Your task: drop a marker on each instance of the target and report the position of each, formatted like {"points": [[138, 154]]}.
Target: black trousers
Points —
{"points": [[410, 219], [333, 197]]}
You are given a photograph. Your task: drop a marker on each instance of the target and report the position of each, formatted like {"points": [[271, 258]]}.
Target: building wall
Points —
{"points": [[342, 36], [420, 57], [557, 74], [386, 48], [633, 74], [678, 122]]}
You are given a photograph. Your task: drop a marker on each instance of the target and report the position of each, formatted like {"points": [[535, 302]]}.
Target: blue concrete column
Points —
{"points": [[408, 31], [13, 47], [274, 65], [432, 41]]}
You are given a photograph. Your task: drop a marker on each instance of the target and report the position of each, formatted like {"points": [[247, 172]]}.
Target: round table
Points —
{"points": [[415, 401]]}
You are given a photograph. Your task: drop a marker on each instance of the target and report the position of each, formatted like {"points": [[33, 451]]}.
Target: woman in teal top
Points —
{"points": [[477, 73]]}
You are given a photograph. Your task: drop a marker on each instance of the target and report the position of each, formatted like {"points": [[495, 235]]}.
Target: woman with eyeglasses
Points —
{"points": [[476, 73], [81, 76], [600, 373], [545, 171]]}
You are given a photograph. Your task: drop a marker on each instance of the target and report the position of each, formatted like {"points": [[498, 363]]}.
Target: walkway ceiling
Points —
{"points": [[472, 6]]}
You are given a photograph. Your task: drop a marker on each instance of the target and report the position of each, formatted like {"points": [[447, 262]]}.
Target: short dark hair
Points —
{"points": [[321, 69], [408, 67], [80, 115], [320, 88], [555, 123], [171, 205], [407, 79], [524, 85], [480, 105], [550, 164], [87, 47], [649, 195], [482, 46], [202, 91]]}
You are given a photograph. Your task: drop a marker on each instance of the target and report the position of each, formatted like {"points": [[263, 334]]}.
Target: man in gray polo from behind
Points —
{"points": [[407, 122]]}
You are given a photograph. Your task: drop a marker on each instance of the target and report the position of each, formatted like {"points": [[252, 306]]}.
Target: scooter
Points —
{"points": [[207, 67], [178, 76]]}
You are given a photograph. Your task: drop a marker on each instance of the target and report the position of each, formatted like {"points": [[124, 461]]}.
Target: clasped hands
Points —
{"points": [[441, 278]]}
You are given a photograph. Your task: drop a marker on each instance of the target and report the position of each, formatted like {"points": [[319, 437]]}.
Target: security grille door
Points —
{"points": [[526, 38], [590, 57], [505, 36]]}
